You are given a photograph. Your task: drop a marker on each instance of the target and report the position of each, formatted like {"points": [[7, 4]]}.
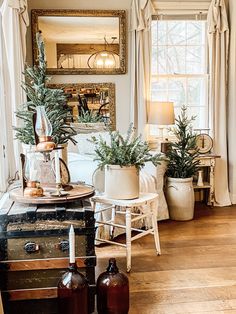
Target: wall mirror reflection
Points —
{"points": [[91, 102], [82, 42]]}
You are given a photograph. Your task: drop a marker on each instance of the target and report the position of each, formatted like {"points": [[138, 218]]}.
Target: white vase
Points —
{"points": [[121, 182], [180, 198], [200, 178]]}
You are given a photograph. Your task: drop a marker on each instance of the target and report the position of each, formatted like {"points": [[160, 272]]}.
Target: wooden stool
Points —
{"points": [[127, 207]]}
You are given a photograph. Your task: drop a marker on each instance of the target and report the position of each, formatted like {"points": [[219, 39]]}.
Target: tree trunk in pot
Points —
{"points": [[121, 182], [180, 198]]}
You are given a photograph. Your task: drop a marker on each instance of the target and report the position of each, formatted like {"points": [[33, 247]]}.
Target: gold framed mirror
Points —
{"points": [[98, 97], [81, 41]]}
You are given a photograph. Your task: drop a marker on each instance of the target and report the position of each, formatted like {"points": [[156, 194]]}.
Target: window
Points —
{"points": [[179, 65]]}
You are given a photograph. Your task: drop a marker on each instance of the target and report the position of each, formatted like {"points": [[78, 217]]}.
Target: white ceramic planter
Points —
{"points": [[180, 198], [121, 182]]}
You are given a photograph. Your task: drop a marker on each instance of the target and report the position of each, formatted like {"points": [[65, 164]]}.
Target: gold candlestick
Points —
{"points": [[60, 192]]}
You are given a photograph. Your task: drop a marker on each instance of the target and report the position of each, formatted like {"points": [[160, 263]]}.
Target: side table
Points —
{"points": [[139, 208], [208, 161]]}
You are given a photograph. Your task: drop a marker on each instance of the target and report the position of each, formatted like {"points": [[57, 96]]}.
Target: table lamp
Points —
{"points": [[161, 114]]}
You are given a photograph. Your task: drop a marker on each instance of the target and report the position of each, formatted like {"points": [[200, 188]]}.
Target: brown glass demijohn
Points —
{"points": [[73, 292], [112, 291]]}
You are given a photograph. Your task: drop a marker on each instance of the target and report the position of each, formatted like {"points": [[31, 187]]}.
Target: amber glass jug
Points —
{"points": [[112, 291], [73, 292]]}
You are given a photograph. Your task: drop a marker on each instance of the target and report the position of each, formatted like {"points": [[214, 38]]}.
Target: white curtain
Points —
{"points": [[232, 102], [14, 22], [141, 19], [218, 39]]}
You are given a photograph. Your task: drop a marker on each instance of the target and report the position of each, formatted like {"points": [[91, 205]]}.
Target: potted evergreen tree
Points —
{"points": [[39, 94], [182, 165], [122, 159]]}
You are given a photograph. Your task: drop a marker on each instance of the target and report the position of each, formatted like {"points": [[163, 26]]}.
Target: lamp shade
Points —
{"points": [[161, 113]]}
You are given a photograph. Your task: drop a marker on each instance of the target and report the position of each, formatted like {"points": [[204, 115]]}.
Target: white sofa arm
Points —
{"points": [[158, 172]]}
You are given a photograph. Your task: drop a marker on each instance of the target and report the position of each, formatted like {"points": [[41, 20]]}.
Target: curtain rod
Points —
{"points": [[180, 5], [181, 12]]}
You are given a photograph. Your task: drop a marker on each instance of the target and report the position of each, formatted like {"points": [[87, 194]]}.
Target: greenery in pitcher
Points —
{"points": [[124, 151], [38, 94], [182, 154]]}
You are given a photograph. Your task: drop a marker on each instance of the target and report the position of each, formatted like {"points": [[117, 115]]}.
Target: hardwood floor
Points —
{"points": [[196, 272]]}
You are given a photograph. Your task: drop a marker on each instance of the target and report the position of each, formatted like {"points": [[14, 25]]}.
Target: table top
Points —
{"points": [[211, 155], [77, 192], [143, 198]]}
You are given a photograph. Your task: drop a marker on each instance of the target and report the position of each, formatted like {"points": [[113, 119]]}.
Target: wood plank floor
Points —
{"points": [[196, 272]]}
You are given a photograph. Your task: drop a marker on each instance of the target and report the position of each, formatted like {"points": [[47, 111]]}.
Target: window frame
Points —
{"points": [[155, 77]]}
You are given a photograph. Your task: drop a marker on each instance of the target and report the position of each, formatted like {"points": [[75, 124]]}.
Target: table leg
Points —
{"points": [[155, 228], [211, 198], [128, 238]]}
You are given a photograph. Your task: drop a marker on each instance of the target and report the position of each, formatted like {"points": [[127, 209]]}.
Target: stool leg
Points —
{"points": [[128, 238], [155, 228]]}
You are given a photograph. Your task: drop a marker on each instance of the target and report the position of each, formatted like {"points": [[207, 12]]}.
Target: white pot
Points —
{"points": [[180, 198], [121, 182]]}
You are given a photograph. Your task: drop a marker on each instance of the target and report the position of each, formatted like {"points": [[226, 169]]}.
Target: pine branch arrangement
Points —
{"points": [[89, 117], [38, 94], [182, 155], [128, 151]]}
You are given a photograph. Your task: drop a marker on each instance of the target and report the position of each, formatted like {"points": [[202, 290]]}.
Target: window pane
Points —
{"points": [[196, 33], [154, 32], [154, 59], [161, 53], [177, 91], [161, 32], [176, 33], [159, 90], [195, 61], [197, 91], [176, 60]]}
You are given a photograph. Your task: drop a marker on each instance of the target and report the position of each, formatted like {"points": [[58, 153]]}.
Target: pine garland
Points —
{"points": [[182, 155], [128, 151], [38, 94]]}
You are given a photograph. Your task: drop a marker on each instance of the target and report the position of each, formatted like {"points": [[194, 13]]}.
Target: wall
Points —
{"points": [[122, 81]]}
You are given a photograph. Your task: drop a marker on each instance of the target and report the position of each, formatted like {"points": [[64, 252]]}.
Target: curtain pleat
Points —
{"points": [[141, 47], [218, 40], [14, 22]]}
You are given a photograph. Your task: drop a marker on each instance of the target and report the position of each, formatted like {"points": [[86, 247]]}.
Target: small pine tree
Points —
{"points": [[38, 94], [182, 154]]}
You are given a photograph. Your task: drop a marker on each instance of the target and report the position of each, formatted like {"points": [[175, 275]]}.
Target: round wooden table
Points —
{"points": [[78, 192]]}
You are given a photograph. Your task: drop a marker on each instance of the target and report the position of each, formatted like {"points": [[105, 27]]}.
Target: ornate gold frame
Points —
{"points": [[121, 14], [110, 86]]}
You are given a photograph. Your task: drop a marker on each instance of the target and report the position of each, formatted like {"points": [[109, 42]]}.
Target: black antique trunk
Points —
{"points": [[34, 253]]}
